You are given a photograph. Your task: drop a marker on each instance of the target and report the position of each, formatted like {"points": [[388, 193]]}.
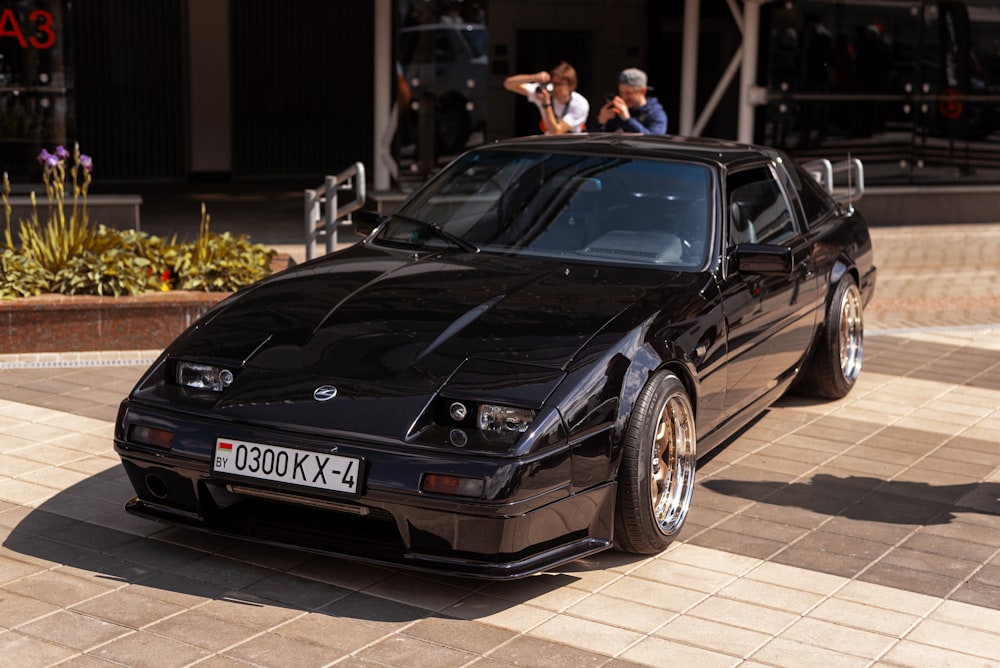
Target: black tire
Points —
{"points": [[835, 363], [656, 476]]}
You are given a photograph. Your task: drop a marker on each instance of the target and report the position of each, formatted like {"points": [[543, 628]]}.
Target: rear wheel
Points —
{"points": [[836, 362], [656, 477]]}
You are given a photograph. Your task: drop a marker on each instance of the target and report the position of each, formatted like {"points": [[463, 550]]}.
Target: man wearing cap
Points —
{"points": [[631, 110]]}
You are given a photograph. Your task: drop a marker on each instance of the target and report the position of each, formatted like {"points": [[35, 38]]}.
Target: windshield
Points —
{"points": [[592, 208]]}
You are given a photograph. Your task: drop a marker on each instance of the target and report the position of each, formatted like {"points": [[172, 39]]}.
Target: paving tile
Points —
{"points": [[272, 650], [944, 565], [31, 651], [770, 595], [498, 612], [713, 636], [908, 653], [967, 616], [378, 612], [901, 577], [58, 588], [888, 598], [965, 528], [248, 611], [655, 651], [147, 650], [297, 592], [620, 613], [339, 634], [350, 575], [544, 591], [657, 595], [978, 593], [738, 542], [127, 608], [540, 653], [693, 577], [222, 572], [864, 617], [420, 592], [818, 559], [786, 652], [794, 516], [201, 630], [19, 609], [74, 630], [743, 615], [837, 638], [407, 651], [796, 578], [459, 634], [878, 532]]}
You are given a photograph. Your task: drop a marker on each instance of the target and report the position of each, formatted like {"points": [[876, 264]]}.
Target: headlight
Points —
{"points": [[504, 418], [203, 376]]}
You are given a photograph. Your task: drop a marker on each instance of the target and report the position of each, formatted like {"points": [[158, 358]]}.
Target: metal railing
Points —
{"points": [[825, 172], [324, 214]]}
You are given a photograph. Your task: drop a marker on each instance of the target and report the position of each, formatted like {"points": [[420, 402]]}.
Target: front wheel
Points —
{"points": [[835, 364], [656, 476]]}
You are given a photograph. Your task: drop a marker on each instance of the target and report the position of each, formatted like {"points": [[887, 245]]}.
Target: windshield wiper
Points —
{"points": [[440, 232]]}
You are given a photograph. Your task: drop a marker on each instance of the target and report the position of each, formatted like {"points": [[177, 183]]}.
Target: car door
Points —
{"points": [[770, 292]]}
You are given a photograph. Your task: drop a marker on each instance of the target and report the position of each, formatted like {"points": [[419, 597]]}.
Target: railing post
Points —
{"points": [[331, 213], [311, 216]]}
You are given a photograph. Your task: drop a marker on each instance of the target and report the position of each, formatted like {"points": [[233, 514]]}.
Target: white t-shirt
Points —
{"points": [[574, 112]]}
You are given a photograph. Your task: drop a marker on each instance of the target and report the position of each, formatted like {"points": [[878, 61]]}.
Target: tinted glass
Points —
{"points": [[588, 208]]}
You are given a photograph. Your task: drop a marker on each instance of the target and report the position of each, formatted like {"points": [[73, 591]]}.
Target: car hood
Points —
{"points": [[385, 324]]}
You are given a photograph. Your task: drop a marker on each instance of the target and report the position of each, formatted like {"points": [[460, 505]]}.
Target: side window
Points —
{"points": [[758, 210]]}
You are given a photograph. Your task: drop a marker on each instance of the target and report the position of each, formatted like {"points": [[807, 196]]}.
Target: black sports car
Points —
{"points": [[517, 368]]}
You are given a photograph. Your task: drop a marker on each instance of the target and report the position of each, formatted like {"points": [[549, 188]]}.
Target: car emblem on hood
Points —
{"points": [[324, 393]]}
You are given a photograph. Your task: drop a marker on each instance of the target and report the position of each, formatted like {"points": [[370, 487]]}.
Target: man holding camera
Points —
{"points": [[630, 110], [562, 109]]}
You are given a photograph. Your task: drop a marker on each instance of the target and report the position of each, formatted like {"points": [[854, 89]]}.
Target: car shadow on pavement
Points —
{"points": [[870, 499], [241, 579]]}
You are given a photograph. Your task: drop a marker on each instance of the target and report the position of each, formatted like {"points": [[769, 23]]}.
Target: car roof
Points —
{"points": [[717, 152], [444, 25]]}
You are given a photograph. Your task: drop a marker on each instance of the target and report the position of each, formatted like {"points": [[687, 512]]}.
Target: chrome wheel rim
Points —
{"points": [[851, 333], [671, 476]]}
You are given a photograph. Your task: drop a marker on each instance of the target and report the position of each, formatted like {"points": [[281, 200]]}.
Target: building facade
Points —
{"points": [[180, 90]]}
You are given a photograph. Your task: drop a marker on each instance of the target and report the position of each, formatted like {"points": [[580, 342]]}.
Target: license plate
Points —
{"points": [[319, 470]]}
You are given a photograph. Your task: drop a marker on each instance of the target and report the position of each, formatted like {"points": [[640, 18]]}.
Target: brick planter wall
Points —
{"points": [[60, 323]]}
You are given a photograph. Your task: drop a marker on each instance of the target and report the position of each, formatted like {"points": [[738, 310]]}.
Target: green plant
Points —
{"points": [[69, 255]]}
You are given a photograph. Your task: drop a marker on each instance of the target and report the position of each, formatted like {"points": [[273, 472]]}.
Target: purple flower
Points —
{"points": [[62, 152], [43, 157], [87, 163]]}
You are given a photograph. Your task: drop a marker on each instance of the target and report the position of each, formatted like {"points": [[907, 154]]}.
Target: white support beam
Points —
{"points": [[748, 73], [382, 99], [689, 66]]}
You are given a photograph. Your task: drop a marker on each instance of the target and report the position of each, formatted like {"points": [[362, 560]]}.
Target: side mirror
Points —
{"points": [[365, 221], [763, 259]]}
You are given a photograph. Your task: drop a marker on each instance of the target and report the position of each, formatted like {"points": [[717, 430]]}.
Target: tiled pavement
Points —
{"points": [[861, 532]]}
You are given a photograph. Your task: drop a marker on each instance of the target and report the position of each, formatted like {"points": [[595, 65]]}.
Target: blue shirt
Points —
{"points": [[649, 119]]}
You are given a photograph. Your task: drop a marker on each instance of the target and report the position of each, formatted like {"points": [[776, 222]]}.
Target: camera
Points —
{"points": [[547, 87]]}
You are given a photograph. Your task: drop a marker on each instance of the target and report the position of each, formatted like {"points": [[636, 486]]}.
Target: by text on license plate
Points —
{"points": [[288, 465]]}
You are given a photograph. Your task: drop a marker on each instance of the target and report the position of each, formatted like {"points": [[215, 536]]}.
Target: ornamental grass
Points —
{"points": [[68, 254]]}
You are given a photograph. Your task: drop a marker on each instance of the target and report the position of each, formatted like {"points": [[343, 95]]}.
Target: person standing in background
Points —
{"points": [[562, 109], [631, 110]]}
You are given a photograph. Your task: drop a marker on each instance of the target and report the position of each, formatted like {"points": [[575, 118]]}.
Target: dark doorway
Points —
{"points": [[542, 50]]}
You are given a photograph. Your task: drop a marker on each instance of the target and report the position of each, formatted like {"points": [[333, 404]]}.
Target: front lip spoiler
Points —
{"points": [[414, 561]]}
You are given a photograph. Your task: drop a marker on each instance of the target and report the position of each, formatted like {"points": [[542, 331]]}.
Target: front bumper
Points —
{"points": [[530, 530]]}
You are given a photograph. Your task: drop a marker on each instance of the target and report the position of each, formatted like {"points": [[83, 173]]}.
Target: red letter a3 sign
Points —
{"points": [[43, 35]]}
